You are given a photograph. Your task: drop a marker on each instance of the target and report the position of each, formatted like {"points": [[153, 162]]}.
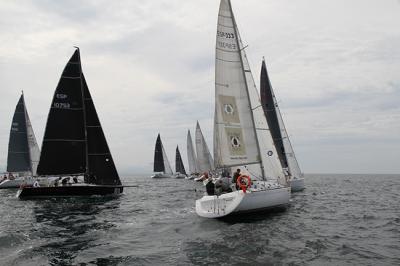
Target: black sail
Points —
{"points": [[179, 167], [64, 141], [267, 101], [158, 156], [101, 167], [18, 159]]}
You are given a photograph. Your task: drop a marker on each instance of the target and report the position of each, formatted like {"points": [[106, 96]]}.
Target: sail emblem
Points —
{"points": [[228, 108], [235, 142]]}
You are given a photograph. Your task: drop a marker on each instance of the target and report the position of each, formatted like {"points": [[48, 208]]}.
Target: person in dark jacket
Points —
{"points": [[235, 177]]}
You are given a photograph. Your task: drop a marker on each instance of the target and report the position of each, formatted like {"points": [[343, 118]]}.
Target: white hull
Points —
{"points": [[262, 195], [297, 184], [16, 183], [179, 176], [161, 175]]}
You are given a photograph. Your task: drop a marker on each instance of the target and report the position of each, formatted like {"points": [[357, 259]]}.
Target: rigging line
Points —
{"points": [[252, 173]]}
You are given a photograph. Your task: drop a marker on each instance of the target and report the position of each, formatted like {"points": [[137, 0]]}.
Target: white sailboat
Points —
{"points": [[279, 133], [162, 168], [23, 150], [204, 158], [240, 128], [192, 158]]}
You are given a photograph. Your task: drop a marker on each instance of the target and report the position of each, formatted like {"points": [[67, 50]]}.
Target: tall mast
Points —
{"points": [[84, 115]]}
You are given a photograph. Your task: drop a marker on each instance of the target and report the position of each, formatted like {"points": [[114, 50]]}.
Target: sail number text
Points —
{"points": [[62, 105], [226, 35], [225, 45]]}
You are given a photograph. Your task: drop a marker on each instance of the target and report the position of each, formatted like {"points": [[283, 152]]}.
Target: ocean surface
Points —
{"points": [[337, 220]]}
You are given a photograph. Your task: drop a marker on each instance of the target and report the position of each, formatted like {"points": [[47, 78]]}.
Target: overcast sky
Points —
{"points": [[334, 65]]}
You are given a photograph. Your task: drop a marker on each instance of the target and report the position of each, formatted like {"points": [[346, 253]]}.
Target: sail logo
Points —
{"points": [[235, 137]]}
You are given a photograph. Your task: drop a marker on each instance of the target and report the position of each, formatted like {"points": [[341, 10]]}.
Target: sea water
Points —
{"points": [[336, 220]]}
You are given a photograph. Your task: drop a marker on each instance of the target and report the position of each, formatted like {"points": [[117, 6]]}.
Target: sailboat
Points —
{"points": [[204, 157], [162, 168], [23, 150], [74, 146], [240, 131], [192, 158], [179, 167], [278, 131]]}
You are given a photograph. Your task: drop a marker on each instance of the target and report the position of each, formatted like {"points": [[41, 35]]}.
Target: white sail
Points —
{"points": [[167, 166], [34, 151], [204, 158], [240, 125], [293, 165], [233, 125], [193, 166]]}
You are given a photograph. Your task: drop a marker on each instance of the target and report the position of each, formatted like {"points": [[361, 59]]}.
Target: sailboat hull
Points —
{"points": [[258, 198], [297, 184], [16, 183], [68, 191], [161, 175]]}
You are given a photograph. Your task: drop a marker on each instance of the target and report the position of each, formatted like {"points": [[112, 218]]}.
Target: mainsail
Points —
{"points": [[276, 125], [161, 163], [23, 151], [204, 158], [179, 167], [74, 142], [193, 166], [241, 132]]}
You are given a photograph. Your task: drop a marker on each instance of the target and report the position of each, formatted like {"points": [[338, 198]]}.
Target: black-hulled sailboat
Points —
{"points": [[179, 167], [162, 168], [279, 134], [74, 146], [23, 150]]}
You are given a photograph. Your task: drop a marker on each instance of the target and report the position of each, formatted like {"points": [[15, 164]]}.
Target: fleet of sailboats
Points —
{"points": [[23, 150], [241, 134], [248, 133], [278, 131], [74, 146]]}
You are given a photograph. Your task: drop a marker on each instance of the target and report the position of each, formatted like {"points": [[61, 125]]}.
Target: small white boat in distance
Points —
{"points": [[241, 136], [162, 168]]}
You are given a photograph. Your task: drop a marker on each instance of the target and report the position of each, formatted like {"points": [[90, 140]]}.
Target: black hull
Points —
{"points": [[68, 191]]}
